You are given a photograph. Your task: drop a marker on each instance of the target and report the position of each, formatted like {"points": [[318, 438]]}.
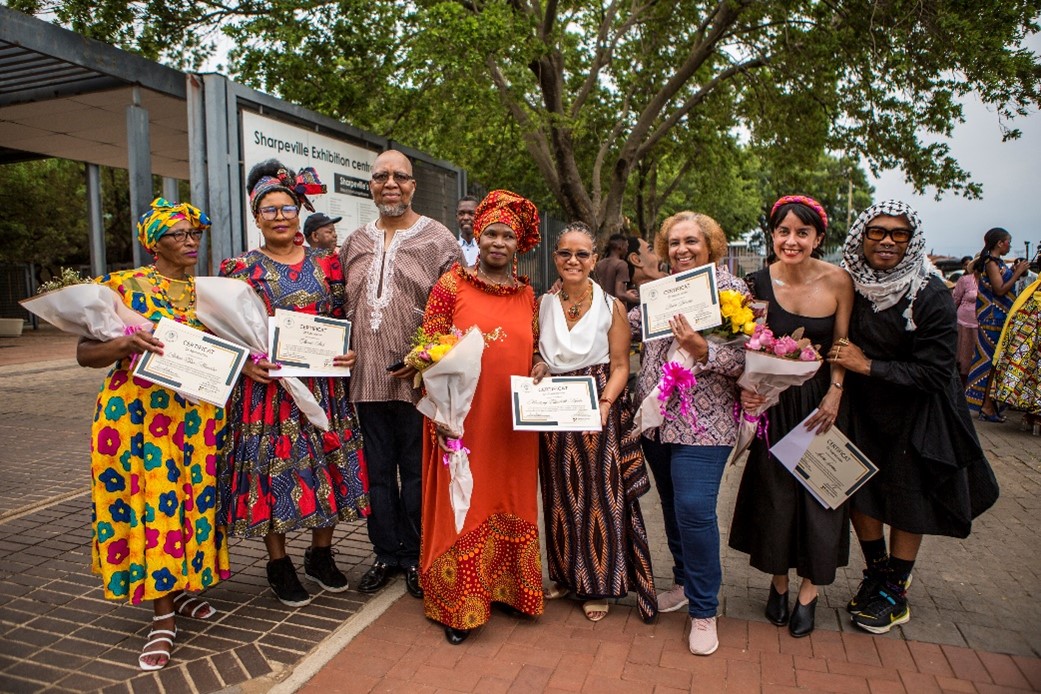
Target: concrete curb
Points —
{"points": [[338, 640]]}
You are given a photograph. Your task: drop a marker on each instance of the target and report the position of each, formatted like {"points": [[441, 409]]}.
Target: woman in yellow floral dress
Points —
{"points": [[153, 453]]}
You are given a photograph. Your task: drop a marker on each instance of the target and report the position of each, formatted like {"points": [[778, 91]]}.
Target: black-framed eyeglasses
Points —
{"points": [[271, 212], [898, 235], [400, 177], [180, 235], [565, 254]]}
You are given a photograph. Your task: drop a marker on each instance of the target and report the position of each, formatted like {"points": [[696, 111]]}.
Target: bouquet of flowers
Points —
{"points": [[450, 366], [772, 365], [232, 310], [93, 311], [739, 318]]}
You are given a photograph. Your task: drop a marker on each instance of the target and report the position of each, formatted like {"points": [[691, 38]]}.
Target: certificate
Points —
{"points": [[828, 465], [557, 403], [692, 293], [305, 344], [197, 365]]}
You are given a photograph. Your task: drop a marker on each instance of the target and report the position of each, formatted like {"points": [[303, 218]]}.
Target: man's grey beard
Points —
{"points": [[392, 210]]}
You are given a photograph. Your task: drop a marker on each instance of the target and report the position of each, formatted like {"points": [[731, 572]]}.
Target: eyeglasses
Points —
{"points": [[288, 212], [565, 255], [399, 177], [898, 235], [180, 235]]}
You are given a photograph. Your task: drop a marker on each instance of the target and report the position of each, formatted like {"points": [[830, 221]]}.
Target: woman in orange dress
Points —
{"points": [[495, 557]]}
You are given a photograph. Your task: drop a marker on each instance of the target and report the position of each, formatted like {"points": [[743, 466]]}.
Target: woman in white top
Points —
{"points": [[591, 481]]}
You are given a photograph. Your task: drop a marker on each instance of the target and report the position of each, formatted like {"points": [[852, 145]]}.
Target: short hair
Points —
{"points": [[577, 227], [715, 239], [466, 198]]}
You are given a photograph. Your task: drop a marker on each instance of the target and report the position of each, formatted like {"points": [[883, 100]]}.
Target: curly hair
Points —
{"points": [[713, 234]]}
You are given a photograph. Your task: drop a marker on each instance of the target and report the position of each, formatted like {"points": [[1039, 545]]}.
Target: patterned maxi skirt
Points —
{"points": [[1017, 372], [596, 541]]}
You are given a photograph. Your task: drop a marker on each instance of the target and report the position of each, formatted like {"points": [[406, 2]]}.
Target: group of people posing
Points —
{"points": [[172, 479]]}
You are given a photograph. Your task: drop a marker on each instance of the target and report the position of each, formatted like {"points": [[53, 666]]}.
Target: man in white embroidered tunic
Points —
{"points": [[390, 265]]}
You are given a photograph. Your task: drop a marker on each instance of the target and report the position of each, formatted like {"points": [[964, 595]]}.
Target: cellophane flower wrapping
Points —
{"points": [[93, 311], [232, 310], [772, 365], [450, 384]]}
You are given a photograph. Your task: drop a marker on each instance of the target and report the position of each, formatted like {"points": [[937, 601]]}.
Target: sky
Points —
{"points": [[1009, 171]]}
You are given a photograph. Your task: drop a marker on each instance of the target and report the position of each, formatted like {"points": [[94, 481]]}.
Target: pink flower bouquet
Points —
{"points": [[772, 365]]}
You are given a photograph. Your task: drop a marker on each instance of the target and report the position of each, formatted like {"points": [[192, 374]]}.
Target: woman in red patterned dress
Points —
{"points": [[280, 472], [495, 557]]}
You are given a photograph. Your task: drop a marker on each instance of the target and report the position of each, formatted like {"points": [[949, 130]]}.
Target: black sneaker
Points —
{"points": [[887, 609], [872, 581], [281, 576], [320, 568]]}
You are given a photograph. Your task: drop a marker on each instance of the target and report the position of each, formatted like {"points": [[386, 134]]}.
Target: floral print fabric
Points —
{"points": [[153, 466]]}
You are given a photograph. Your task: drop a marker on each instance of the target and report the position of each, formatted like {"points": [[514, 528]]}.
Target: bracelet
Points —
{"points": [[837, 384], [609, 401]]}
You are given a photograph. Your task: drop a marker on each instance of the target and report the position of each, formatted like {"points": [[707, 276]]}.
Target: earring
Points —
{"points": [[298, 239]]}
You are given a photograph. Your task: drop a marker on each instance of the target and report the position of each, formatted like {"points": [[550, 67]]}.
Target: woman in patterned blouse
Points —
{"points": [[696, 452]]}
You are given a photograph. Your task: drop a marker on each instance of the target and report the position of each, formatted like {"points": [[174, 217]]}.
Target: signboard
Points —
{"points": [[343, 168]]}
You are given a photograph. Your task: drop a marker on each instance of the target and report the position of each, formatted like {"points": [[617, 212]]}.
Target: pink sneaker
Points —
{"points": [[672, 599], [703, 640]]}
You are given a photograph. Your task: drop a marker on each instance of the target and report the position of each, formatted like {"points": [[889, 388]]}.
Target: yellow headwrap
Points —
{"points": [[163, 215]]}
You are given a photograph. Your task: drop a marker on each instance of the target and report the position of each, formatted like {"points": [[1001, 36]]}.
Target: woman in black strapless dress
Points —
{"points": [[776, 521]]}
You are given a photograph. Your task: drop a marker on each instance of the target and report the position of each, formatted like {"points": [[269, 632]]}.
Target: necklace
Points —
{"points": [[576, 307], [183, 308], [505, 282]]}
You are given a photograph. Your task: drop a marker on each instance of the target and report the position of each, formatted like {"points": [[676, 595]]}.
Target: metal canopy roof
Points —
{"points": [[63, 95]]}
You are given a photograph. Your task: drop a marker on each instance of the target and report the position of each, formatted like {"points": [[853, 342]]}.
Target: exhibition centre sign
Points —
{"points": [[343, 167]]}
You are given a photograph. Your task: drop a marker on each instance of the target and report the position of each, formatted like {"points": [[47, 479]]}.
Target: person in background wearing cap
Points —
{"points": [[464, 216], [391, 264], [495, 557], [320, 232], [147, 482]]}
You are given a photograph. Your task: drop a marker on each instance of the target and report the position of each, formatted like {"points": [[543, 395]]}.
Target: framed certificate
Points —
{"points": [[692, 293], [305, 344], [197, 365], [828, 465], [557, 403]]}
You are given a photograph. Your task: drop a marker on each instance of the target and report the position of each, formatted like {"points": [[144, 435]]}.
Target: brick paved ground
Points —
{"points": [[975, 602]]}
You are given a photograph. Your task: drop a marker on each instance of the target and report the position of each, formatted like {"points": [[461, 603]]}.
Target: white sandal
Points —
{"points": [[184, 607], [158, 636]]}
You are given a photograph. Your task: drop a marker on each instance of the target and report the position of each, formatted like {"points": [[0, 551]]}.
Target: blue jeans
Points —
{"points": [[696, 473], [659, 459]]}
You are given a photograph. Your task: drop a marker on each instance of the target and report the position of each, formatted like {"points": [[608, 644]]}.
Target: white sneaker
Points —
{"points": [[672, 599], [703, 640]]}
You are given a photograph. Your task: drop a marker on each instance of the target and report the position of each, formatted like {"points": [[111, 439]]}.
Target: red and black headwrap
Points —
{"points": [[298, 186]]}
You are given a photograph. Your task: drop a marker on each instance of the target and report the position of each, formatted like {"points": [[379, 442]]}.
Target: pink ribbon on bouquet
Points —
{"points": [[130, 330], [677, 380], [453, 446], [761, 421]]}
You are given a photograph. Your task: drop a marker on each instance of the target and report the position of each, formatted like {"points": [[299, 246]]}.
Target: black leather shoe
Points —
{"points": [[801, 623], [456, 636], [777, 607], [412, 582], [375, 578]]}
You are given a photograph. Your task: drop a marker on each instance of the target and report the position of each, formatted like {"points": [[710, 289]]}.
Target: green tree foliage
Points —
{"points": [[41, 213], [615, 109]]}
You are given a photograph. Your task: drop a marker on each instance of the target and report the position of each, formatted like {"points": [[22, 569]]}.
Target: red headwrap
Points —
{"points": [[802, 200], [516, 212]]}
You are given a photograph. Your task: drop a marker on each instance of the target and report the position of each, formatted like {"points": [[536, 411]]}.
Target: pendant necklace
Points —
{"points": [[575, 308]]}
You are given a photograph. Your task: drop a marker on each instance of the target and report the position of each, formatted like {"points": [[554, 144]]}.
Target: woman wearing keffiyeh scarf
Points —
{"points": [[908, 412]]}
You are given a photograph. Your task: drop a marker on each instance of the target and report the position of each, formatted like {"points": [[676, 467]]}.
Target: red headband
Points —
{"points": [[802, 200]]}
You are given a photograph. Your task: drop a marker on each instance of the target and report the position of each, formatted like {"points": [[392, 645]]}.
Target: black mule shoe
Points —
{"points": [[456, 636], [777, 607], [801, 623]]}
